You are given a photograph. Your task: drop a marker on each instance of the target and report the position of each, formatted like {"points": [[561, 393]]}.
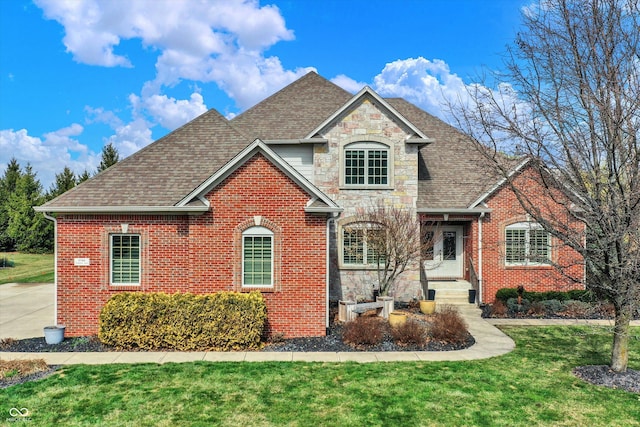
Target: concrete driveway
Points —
{"points": [[25, 309]]}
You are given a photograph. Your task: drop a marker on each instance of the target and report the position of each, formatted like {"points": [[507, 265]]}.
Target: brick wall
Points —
{"points": [[202, 254], [506, 210]]}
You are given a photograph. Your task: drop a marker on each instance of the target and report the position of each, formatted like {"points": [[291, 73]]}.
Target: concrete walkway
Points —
{"points": [[490, 342], [26, 309]]}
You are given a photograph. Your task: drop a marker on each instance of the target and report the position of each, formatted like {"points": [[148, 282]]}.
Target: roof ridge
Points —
{"points": [[289, 87]]}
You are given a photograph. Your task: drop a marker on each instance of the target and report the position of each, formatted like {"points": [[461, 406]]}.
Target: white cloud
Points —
{"points": [[100, 115], [219, 41], [169, 112], [428, 84], [47, 156], [131, 137], [347, 83]]}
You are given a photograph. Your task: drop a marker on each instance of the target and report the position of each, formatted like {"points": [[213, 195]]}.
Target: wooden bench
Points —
{"points": [[349, 310]]}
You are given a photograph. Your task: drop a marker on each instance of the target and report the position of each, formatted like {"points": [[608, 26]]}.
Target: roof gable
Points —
{"points": [[368, 93], [319, 202]]}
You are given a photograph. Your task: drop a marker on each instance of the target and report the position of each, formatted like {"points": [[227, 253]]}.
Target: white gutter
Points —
{"points": [[55, 266], [328, 209], [125, 209], [454, 211]]}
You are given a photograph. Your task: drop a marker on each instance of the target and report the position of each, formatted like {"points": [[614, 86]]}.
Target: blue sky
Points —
{"points": [[77, 75]]}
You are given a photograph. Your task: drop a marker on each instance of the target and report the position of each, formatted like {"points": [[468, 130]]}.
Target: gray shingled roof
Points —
{"points": [[294, 111], [162, 174], [165, 171], [451, 171]]}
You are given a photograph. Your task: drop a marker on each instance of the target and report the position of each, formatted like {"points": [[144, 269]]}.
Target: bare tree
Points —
{"points": [[394, 238], [570, 102]]}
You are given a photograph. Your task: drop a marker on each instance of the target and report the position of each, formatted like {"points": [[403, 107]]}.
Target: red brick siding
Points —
{"points": [[506, 210], [200, 253]]}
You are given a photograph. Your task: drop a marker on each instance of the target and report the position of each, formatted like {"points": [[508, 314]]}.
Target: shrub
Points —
{"points": [[581, 295], [553, 306], [577, 309], [448, 326], [505, 294], [411, 332], [182, 321], [364, 331], [537, 309], [513, 306], [604, 309], [498, 309]]}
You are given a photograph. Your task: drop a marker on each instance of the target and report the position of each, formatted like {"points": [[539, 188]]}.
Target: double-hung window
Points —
{"points": [[125, 259], [257, 257], [527, 244], [358, 247], [366, 164]]}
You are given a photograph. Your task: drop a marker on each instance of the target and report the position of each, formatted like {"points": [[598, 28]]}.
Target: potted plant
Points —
{"points": [[397, 318], [54, 334], [427, 304]]}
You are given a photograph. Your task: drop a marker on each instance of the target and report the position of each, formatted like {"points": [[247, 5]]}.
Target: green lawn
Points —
{"points": [[532, 386], [27, 268]]}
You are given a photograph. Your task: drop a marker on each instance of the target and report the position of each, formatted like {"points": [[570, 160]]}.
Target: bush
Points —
{"points": [[364, 331], [577, 309], [182, 321], [411, 332], [581, 295], [553, 306], [448, 326], [513, 306], [505, 294], [537, 309], [498, 309]]}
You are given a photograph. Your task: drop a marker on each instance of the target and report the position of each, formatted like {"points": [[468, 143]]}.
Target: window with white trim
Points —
{"points": [[366, 164], [356, 248], [527, 243], [125, 259], [257, 257]]}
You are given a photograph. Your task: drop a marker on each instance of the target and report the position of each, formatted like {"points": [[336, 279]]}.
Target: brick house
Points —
{"points": [[262, 202]]}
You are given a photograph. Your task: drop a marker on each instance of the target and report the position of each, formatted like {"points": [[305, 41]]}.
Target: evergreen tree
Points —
{"points": [[32, 232], [83, 176], [110, 157], [7, 187], [65, 180]]}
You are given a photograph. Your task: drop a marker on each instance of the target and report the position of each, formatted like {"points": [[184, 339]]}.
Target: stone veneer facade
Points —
{"points": [[366, 122]]}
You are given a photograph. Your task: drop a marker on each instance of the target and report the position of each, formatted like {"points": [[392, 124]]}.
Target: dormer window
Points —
{"points": [[366, 164]]}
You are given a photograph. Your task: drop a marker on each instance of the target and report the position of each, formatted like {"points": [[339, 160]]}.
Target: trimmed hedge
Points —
{"points": [[505, 294], [186, 322]]}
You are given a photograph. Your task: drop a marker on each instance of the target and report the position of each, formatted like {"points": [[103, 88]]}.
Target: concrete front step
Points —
{"points": [[453, 292]]}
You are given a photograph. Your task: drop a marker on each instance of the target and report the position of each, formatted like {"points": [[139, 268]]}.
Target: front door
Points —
{"points": [[448, 253]]}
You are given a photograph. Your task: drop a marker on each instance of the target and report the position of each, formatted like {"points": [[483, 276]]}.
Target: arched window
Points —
{"points": [[527, 243], [257, 257]]}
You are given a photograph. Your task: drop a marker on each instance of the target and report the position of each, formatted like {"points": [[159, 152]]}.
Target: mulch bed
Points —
{"points": [[603, 375]]}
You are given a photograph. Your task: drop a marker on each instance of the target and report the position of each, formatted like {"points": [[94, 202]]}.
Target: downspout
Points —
{"points": [[55, 265], [480, 257], [327, 271]]}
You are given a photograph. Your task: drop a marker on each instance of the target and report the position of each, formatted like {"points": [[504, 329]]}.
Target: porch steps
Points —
{"points": [[453, 292]]}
